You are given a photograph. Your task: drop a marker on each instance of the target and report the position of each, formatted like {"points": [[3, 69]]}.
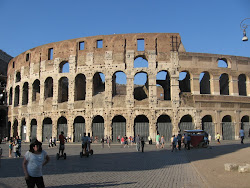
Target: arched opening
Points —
{"points": [[98, 128], [33, 129], [62, 126], [47, 129], [3, 126], [36, 90], [48, 90], [64, 67], [140, 61], [79, 128], [228, 131], [184, 81], [242, 85], [186, 123], [63, 90], [224, 84], [222, 63], [18, 77], [245, 125], [10, 96], [9, 128], [205, 83], [141, 127], [208, 126], [15, 128], [141, 86], [118, 127], [23, 129], [98, 83], [119, 82], [80, 87], [163, 85], [165, 127], [17, 92], [25, 93]]}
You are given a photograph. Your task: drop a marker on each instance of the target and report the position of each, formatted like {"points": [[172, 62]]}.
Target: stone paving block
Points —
{"points": [[231, 166], [244, 169]]}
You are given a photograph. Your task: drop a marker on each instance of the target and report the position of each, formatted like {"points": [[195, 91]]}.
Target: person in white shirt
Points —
{"points": [[242, 135], [33, 162]]}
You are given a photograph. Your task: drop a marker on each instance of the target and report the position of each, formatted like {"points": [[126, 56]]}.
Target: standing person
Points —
{"points": [[149, 140], [84, 143], [174, 142], [15, 148], [62, 142], [50, 142], [122, 141], [19, 142], [242, 135], [108, 141], [54, 141], [119, 138], [218, 138], [142, 144], [157, 140], [89, 142], [10, 147], [137, 141], [188, 141], [102, 141], [179, 137], [126, 141], [33, 162], [162, 141]]}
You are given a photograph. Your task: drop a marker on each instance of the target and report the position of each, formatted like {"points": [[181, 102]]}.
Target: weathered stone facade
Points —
{"points": [[41, 93], [4, 59]]}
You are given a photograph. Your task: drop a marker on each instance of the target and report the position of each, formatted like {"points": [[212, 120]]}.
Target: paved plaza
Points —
{"points": [[125, 167]]}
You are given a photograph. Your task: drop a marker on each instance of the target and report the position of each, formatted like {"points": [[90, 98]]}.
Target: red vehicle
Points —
{"points": [[197, 137]]}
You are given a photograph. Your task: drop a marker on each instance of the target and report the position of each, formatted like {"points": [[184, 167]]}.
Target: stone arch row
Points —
{"points": [[99, 86], [224, 80], [164, 126]]}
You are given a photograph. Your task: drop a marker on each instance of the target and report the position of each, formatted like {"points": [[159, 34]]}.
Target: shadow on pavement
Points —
{"points": [[104, 184], [125, 160]]}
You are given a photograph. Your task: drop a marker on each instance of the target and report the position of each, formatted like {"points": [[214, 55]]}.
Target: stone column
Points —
{"points": [[215, 84], [233, 86], [194, 84], [237, 124]]}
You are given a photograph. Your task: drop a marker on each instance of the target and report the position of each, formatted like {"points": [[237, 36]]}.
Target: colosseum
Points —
{"points": [[88, 85]]}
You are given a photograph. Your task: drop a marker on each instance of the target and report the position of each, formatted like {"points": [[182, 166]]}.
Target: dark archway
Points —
{"points": [[118, 127], [208, 126], [141, 127], [165, 127], [62, 126], [98, 128], [186, 123], [47, 129], [79, 128], [228, 129]]}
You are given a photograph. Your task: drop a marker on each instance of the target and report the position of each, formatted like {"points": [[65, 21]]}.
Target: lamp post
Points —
{"points": [[244, 26]]}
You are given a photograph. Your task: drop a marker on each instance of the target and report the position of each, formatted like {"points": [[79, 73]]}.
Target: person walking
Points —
{"points": [[142, 144], [137, 141], [33, 162], [62, 142], [218, 138], [174, 142], [10, 147], [179, 138], [108, 141], [157, 140], [242, 135], [162, 141]]}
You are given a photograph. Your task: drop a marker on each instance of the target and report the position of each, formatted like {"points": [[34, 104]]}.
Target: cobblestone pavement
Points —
{"points": [[108, 167]]}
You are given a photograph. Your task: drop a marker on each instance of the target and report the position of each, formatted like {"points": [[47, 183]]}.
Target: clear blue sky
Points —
{"points": [[205, 26]]}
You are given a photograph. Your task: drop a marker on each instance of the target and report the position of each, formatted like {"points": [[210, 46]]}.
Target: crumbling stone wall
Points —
{"points": [[88, 96]]}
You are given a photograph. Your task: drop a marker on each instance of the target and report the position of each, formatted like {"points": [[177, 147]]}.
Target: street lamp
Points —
{"points": [[244, 27]]}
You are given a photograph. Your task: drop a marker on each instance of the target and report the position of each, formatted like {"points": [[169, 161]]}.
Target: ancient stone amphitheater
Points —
{"points": [[88, 85]]}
